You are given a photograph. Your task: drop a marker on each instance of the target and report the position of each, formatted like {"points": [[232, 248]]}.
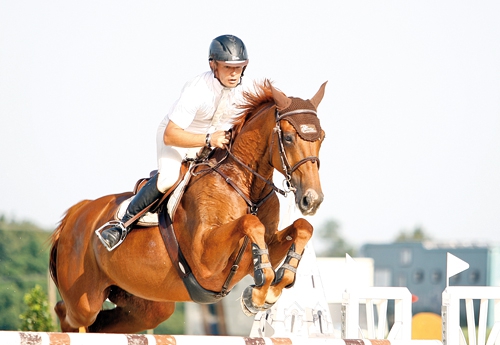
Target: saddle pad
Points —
{"points": [[147, 220], [175, 197]]}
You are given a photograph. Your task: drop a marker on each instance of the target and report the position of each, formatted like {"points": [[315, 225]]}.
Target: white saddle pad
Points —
{"points": [[148, 219], [151, 219]]}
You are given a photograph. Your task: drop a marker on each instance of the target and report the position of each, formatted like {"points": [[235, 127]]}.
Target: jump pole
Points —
{"points": [[42, 338]]}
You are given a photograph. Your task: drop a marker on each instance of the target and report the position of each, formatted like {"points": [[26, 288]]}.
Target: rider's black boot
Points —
{"points": [[146, 196]]}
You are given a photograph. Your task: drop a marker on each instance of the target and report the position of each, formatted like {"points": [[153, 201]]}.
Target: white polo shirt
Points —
{"points": [[193, 112], [199, 98]]}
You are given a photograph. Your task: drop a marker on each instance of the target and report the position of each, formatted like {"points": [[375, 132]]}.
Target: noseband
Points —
{"points": [[287, 168]]}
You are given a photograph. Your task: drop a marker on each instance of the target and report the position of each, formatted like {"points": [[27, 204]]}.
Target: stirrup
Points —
{"points": [[112, 224]]}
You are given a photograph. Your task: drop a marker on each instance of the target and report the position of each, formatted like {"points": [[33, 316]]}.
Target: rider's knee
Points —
{"points": [[166, 179]]}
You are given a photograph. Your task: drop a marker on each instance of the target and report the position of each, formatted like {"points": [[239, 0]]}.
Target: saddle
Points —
{"points": [[155, 215], [149, 216]]}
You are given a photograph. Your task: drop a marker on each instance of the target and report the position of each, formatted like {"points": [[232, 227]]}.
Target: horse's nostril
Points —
{"points": [[310, 201], [306, 201]]}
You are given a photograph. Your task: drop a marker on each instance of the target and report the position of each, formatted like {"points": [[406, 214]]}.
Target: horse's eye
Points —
{"points": [[288, 138]]}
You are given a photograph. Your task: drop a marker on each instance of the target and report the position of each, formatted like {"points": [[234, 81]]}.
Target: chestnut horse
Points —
{"points": [[226, 226]]}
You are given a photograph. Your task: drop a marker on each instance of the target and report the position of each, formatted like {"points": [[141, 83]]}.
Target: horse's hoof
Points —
{"points": [[247, 305], [245, 310]]}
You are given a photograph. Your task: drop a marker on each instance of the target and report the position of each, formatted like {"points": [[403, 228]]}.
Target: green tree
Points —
{"points": [[417, 235], [24, 259], [332, 244], [37, 317]]}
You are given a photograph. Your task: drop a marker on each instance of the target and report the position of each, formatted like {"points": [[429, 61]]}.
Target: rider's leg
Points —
{"points": [[169, 163], [146, 196]]}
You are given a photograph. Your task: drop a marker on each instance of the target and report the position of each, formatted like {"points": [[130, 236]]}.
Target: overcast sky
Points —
{"points": [[411, 111]]}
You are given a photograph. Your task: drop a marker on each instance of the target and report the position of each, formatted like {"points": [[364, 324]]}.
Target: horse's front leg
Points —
{"points": [[288, 244], [219, 247]]}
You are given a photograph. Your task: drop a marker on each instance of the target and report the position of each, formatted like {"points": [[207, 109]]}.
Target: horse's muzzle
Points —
{"points": [[309, 202]]}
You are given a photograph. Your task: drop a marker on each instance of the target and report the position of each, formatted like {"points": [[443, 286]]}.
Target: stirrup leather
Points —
{"points": [[109, 225]]}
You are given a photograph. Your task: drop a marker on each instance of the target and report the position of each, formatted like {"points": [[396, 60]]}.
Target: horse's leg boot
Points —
{"points": [[259, 266], [292, 254], [145, 197]]}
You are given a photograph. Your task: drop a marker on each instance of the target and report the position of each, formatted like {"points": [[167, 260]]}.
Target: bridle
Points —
{"points": [[285, 164], [287, 168]]}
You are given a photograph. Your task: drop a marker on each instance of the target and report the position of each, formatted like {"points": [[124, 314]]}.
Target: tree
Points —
{"points": [[37, 318], [331, 243], [418, 235], [24, 259]]}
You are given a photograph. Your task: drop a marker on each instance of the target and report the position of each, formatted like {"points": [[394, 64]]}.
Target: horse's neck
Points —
{"points": [[252, 148]]}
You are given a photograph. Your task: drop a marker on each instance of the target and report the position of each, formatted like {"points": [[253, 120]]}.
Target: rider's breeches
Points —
{"points": [[169, 163]]}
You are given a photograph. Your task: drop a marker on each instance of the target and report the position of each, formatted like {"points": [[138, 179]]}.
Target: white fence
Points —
{"points": [[452, 333], [376, 300]]}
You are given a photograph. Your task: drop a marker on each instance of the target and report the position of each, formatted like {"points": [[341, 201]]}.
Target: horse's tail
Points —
{"points": [[55, 239]]}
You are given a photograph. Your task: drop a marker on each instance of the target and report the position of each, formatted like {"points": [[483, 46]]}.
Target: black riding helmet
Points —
{"points": [[230, 49]]}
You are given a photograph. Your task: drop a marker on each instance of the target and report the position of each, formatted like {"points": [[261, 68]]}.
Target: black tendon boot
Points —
{"points": [[111, 237]]}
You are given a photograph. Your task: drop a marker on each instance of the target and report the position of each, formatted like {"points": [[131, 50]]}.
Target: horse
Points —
{"points": [[225, 227]]}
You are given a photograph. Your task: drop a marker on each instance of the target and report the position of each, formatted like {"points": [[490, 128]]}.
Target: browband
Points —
{"points": [[298, 111]]}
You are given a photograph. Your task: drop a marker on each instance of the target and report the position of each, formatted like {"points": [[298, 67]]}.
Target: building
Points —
{"points": [[421, 267]]}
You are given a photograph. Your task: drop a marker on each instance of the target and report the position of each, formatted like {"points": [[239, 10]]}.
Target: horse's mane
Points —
{"points": [[253, 100]]}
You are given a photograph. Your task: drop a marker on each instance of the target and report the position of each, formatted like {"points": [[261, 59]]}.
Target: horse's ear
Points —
{"points": [[316, 100], [281, 100]]}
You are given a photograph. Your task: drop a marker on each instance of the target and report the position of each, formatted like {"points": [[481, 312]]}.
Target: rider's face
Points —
{"points": [[227, 74]]}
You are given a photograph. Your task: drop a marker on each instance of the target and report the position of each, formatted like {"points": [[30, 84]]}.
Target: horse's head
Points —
{"points": [[296, 147]]}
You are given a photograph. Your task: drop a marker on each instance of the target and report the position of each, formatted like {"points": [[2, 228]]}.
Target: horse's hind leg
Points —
{"points": [[60, 310], [79, 311], [132, 314]]}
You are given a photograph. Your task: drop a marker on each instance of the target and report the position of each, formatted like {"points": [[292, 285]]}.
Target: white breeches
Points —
{"points": [[170, 160]]}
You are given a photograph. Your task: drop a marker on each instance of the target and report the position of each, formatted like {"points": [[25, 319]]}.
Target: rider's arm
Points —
{"points": [[177, 136]]}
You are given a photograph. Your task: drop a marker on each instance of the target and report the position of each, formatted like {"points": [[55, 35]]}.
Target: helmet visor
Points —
{"points": [[240, 63]]}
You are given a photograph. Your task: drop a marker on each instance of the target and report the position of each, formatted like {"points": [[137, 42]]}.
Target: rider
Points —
{"points": [[200, 117]]}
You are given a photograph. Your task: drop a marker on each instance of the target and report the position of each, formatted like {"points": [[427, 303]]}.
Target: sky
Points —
{"points": [[411, 110]]}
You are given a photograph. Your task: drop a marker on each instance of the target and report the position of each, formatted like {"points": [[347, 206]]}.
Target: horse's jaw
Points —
{"points": [[309, 201]]}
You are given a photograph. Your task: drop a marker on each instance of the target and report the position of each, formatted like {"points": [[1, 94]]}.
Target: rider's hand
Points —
{"points": [[220, 139]]}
